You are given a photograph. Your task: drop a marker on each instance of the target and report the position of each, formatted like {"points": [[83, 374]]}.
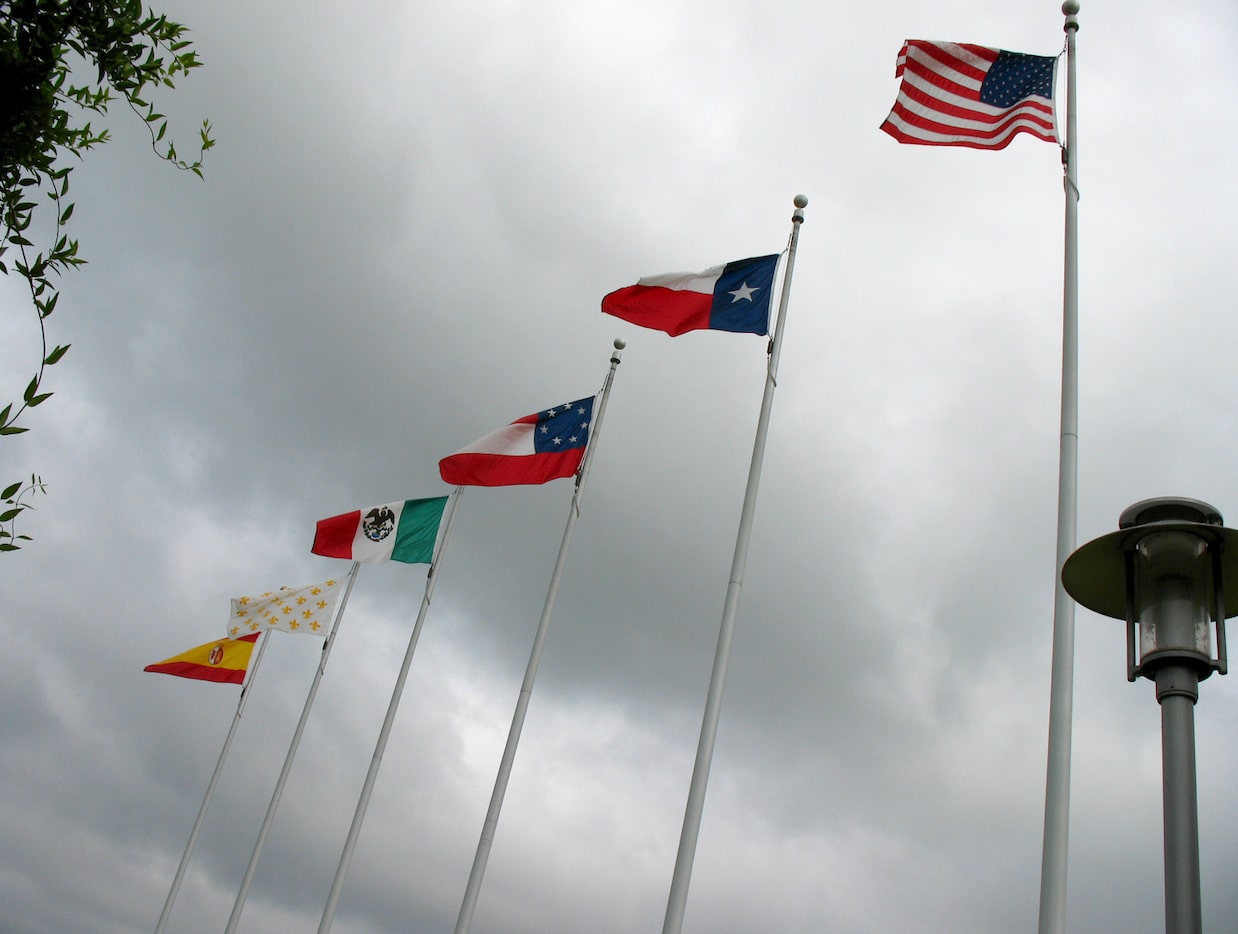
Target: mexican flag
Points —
{"points": [[404, 531]]}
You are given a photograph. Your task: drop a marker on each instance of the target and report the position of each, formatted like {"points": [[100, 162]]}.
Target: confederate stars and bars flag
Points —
{"points": [[544, 446], [301, 609]]}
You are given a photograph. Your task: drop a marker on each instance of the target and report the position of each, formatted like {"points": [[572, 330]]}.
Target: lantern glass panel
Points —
{"points": [[1172, 584]]}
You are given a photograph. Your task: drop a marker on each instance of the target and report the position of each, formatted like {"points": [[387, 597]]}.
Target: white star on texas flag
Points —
{"points": [[743, 293]]}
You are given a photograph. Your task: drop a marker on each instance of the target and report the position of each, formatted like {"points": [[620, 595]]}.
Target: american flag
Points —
{"points": [[955, 94]]}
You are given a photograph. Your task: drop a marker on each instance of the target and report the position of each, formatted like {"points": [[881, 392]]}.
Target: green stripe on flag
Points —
{"points": [[418, 530]]}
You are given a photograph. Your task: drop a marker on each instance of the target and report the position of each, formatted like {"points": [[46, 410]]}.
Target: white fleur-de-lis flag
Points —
{"points": [[292, 609]]}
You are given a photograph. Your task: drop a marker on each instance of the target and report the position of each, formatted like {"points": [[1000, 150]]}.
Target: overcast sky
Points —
{"points": [[400, 245]]}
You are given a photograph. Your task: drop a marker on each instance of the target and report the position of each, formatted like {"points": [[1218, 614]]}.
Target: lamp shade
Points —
{"points": [[1095, 575]]}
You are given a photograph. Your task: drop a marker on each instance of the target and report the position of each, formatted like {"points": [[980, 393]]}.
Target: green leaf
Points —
{"points": [[10, 514], [12, 430], [55, 355], [10, 490], [5, 546], [36, 400], [4, 415], [31, 389]]}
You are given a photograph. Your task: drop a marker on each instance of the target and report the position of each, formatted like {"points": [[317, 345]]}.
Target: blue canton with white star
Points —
{"points": [[742, 296], [1015, 76], [564, 427]]}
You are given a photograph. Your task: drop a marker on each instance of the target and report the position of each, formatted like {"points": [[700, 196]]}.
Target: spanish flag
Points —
{"points": [[224, 660]]}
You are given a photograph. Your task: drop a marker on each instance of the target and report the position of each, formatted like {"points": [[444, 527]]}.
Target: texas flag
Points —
{"points": [[734, 297], [534, 449]]}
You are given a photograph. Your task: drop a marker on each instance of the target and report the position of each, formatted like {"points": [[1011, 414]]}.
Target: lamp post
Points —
{"points": [[1163, 572]]}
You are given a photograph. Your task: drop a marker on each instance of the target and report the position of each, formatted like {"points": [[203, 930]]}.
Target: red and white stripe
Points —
{"points": [[938, 101]]}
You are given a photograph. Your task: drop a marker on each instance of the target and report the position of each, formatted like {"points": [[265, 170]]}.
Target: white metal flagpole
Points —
{"points": [[241, 895], [471, 890], [1061, 691], [709, 726], [210, 791], [363, 803]]}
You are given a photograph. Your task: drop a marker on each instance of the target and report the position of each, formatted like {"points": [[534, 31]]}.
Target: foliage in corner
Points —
{"points": [[13, 507], [46, 104]]}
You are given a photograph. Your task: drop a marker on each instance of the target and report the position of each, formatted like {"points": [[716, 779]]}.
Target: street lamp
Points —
{"points": [[1163, 572]]}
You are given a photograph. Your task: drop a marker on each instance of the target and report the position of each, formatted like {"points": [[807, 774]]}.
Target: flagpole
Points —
{"points": [[709, 725], [1061, 690], [239, 905], [210, 792], [337, 885], [471, 891]]}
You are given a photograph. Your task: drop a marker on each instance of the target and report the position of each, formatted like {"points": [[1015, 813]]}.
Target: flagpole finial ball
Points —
{"points": [[801, 201], [620, 343], [1070, 7]]}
